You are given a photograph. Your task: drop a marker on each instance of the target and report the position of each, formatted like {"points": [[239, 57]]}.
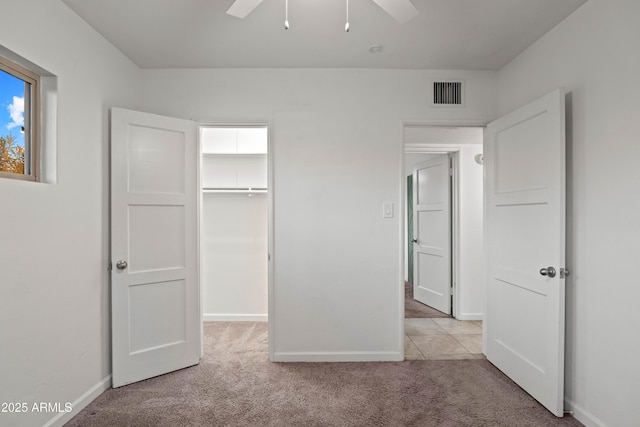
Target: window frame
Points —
{"points": [[32, 120]]}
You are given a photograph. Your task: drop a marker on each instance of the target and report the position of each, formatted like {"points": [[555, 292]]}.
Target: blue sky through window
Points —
{"points": [[11, 107]]}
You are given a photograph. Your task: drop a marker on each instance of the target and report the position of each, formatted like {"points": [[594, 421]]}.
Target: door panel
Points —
{"points": [[157, 315], [432, 233], [155, 296], [524, 158], [167, 248], [152, 150]]}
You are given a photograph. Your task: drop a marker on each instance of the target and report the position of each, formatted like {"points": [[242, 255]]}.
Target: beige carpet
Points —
{"points": [[235, 385], [415, 309]]}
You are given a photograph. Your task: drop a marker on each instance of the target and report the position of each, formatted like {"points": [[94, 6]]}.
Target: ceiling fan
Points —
{"points": [[401, 10]]}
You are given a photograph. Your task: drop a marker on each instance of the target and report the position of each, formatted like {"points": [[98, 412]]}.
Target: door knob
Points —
{"points": [[549, 272], [415, 240], [121, 265]]}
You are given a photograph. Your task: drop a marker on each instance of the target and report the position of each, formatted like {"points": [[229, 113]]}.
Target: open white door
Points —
{"points": [[155, 301], [524, 157], [432, 233]]}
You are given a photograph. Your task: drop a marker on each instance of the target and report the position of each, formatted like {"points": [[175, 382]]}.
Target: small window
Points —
{"points": [[19, 125]]}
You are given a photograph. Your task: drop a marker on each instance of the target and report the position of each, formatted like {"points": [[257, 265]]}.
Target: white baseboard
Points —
{"points": [[234, 317], [80, 403], [469, 316], [582, 415], [339, 356]]}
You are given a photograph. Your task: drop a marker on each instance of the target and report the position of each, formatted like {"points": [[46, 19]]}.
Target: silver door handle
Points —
{"points": [[121, 265], [549, 272]]}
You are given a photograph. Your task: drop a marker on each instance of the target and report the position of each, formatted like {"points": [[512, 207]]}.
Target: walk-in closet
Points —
{"points": [[234, 218]]}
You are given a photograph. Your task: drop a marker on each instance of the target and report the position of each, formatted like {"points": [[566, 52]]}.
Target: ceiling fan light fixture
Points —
{"points": [[401, 10], [242, 8], [347, 26], [286, 14]]}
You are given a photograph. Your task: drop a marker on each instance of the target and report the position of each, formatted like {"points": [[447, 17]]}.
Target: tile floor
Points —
{"points": [[442, 339]]}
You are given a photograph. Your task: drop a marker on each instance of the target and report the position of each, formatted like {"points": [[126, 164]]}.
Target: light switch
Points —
{"points": [[387, 210]]}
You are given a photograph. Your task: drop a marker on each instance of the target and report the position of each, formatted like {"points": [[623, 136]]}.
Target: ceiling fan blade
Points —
{"points": [[241, 8], [401, 10]]}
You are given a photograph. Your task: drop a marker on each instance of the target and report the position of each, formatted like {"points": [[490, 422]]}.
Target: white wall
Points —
{"points": [[54, 286], [471, 278], [336, 147], [594, 55]]}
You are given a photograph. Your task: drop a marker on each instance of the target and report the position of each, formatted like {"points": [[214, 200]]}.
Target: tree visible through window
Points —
{"points": [[18, 123]]}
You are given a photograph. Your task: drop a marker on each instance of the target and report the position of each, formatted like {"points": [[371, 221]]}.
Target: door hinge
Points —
{"points": [[110, 267]]}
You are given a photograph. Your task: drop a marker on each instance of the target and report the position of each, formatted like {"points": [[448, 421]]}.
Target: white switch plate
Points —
{"points": [[387, 210]]}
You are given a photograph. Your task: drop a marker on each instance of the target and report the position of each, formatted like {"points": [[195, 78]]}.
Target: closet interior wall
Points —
{"points": [[234, 227]]}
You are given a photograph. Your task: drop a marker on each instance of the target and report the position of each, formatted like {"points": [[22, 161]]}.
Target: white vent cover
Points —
{"points": [[449, 93]]}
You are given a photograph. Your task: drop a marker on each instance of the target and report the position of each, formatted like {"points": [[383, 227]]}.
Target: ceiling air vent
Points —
{"points": [[448, 93]]}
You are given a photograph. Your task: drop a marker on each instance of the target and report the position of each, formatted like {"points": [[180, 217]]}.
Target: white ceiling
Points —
{"points": [[447, 34]]}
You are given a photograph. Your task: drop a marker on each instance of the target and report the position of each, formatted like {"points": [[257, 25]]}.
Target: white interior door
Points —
{"points": [[524, 157], [432, 233], [155, 301]]}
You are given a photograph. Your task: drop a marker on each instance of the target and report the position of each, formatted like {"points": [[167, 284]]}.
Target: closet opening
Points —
{"points": [[234, 222]]}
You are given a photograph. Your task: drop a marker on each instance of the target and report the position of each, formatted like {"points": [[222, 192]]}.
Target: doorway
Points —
{"points": [[464, 146], [234, 222], [457, 334]]}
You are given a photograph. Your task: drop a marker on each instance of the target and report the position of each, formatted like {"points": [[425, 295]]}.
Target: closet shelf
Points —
{"points": [[249, 190], [235, 155]]}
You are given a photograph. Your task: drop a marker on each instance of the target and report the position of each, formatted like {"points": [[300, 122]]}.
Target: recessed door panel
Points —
{"points": [[430, 235], [520, 160], [157, 315], [523, 308], [430, 275], [431, 183], [520, 235], [156, 237], [153, 150]]}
